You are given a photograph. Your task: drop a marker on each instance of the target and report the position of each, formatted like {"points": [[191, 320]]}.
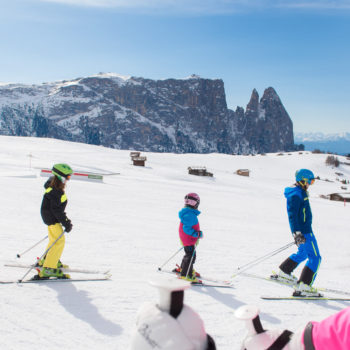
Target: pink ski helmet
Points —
{"points": [[192, 200]]}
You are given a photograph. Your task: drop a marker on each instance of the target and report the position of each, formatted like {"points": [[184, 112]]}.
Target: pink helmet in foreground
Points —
{"points": [[192, 200]]}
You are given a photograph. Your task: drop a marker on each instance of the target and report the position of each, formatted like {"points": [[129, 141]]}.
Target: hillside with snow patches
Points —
{"points": [[129, 225]]}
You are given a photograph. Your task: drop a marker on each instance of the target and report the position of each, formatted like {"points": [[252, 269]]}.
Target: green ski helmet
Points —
{"points": [[62, 170]]}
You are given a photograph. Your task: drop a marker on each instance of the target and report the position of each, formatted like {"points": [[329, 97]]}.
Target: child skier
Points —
{"points": [[53, 214], [300, 220], [190, 234]]}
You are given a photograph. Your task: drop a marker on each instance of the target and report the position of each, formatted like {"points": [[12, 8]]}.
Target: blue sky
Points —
{"points": [[299, 47]]}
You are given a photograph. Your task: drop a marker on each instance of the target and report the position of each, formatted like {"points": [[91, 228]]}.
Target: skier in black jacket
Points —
{"points": [[53, 214]]}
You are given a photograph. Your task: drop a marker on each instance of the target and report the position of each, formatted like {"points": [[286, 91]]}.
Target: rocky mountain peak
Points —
{"points": [[270, 94], [194, 76], [171, 115], [254, 101]]}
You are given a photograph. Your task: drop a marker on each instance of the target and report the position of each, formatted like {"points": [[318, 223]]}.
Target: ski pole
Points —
{"points": [[19, 255], [31, 268], [178, 251], [262, 258], [192, 257]]}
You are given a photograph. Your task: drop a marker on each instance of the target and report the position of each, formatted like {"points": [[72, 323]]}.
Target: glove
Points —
{"points": [[299, 238], [199, 234], [68, 225]]}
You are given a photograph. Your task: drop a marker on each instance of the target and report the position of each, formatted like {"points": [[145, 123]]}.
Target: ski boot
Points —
{"points": [[177, 270], [48, 272], [305, 290], [195, 273], [40, 262], [37, 278], [60, 265], [285, 278], [193, 280]]}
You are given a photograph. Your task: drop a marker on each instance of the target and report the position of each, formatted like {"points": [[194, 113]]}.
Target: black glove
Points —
{"points": [[299, 238], [198, 234], [68, 225]]}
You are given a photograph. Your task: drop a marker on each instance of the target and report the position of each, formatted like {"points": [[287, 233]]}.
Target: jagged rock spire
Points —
{"points": [[171, 115]]}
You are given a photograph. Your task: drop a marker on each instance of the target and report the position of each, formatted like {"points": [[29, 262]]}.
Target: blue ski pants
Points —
{"points": [[308, 250]]}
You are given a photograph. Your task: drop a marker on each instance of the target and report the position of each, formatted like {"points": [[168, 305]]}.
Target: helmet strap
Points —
{"points": [[302, 184], [281, 341], [257, 325], [59, 173]]}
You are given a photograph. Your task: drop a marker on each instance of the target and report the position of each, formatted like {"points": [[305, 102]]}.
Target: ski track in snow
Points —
{"points": [[129, 224]]}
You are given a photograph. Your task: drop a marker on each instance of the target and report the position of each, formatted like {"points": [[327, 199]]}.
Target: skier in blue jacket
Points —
{"points": [[300, 221], [190, 233]]}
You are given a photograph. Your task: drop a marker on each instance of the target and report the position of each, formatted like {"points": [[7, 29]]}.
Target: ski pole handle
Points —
{"points": [[19, 255]]}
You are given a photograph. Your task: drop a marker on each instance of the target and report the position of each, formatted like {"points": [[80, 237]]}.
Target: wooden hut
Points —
{"points": [[340, 197], [243, 172], [199, 171], [137, 159]]}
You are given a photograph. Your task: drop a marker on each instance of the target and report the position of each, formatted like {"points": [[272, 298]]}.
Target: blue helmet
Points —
{"points": [[305, 175]]}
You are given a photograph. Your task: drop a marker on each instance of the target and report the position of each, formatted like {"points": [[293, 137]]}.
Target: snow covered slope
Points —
{"points": [[129, 224]]}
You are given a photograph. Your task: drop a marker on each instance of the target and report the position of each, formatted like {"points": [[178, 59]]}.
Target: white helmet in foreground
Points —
{"points": [[260, 339], [170, 325], [330, 333]]}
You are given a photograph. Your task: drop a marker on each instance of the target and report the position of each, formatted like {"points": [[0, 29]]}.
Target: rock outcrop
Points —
{"points": [[172, 115]]}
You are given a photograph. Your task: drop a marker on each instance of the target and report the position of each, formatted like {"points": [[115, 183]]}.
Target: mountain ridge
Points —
{"points": [[320, 136], [332, 142], [125, 112]]}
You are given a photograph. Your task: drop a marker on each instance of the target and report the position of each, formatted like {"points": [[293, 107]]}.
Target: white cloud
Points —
{"points": [[316, 4], [166, 6], [207, 6]]}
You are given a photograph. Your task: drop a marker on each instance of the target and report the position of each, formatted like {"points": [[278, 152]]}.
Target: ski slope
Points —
{"points": [[129, 225]]}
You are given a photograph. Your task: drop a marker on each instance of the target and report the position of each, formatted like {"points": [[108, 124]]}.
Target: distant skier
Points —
{"points": [[300, 221], [330, 334], [190, 234], [53, 214]]}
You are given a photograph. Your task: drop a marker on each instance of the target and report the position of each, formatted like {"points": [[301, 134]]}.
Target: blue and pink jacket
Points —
{"points": [[189, 226]]}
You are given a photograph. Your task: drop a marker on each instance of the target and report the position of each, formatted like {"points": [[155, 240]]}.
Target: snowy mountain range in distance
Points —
{"points": [[335, 143]]}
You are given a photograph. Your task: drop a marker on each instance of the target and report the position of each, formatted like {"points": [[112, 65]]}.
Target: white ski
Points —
{"points": [[67, 270], [58, 280], [320, 289], [304, 298], [251, 275], [213, 281]]}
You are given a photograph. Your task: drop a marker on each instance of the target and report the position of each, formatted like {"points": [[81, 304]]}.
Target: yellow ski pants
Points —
{"points": [[54, 254]]}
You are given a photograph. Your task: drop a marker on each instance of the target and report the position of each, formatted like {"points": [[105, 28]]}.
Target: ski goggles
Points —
{"points": [[312, 181]]}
